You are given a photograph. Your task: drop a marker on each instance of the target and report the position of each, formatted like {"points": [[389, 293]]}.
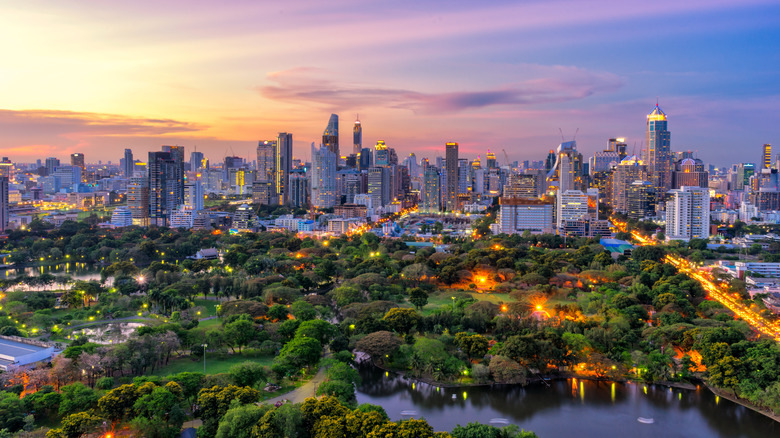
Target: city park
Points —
{"points": [[154, 339]]}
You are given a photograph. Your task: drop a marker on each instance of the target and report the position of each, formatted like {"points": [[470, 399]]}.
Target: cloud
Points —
{"points": [[72, 124], [551, 85]]}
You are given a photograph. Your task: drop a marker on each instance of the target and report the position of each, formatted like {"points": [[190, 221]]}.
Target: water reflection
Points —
{"points": [[569, 407], [109, 333]]}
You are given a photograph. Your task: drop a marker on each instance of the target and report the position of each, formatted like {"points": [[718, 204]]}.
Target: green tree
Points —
{"points": [[214, 402], [418, 297], [475, 346], [11, 411], [401, 320], [317, 329], [300, 352], [247, 374], [75, 425], [239, 420], [239, 333], [159, 414], [116, 403], [379, 344], [77, 397], [303, 311]]}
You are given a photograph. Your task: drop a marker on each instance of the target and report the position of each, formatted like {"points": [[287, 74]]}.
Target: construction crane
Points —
{"points": [[506, 156]]}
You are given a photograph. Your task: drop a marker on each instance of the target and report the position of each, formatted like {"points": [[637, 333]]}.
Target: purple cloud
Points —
{"points": [[559, 84]]}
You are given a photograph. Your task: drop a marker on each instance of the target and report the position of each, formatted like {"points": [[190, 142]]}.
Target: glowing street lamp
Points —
{"points": [[204, 358]]}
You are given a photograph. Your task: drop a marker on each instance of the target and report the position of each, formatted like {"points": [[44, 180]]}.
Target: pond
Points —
{"points": [[569, 407]]}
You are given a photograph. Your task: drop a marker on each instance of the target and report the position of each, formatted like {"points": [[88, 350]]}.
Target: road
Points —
{"points": [[714, 290], [303, 392]]}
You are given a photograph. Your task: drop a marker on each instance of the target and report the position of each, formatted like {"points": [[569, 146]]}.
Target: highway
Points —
{"points": [[715, 290]]}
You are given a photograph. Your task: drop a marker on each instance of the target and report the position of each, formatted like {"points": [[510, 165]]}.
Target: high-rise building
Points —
{"points": [[70, 176], [324, 164], [330, 137], [357, 137], [381, 154], [166, 186], [688, 214], [3, 204], [626, 172], [521, 186], [138, 200], [431, 196], [566, 173], [658, 154], [299, 189], [640, 199], [365, 159], [193, 195], [464, 180], [51, 165], [283, 167], [128, 164], [618, 145], [266, 171], [177, 153], [197, 161], [121, 217], [570, 205], [451, 166], [491, 160], [766, 157], [379, 189], [690, 172], [77, 159]]}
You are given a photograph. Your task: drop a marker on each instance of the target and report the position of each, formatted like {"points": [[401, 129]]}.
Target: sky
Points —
{"points": [[97, 76]]}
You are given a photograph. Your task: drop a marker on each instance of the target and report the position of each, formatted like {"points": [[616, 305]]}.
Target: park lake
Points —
{"points": [[569, 407]]}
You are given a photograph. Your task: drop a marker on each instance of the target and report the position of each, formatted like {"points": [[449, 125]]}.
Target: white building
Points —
{"points": [[520, 214], [747, 212], [688, 214], [183, 217], [193, 195], [571, 205], [121, 217], [19, 352]]}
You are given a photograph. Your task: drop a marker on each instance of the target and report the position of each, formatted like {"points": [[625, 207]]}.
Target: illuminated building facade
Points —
{"points": [[658, 155], [330, 137], [284, 157], [766, 157], [517, 215], [357, 138]]}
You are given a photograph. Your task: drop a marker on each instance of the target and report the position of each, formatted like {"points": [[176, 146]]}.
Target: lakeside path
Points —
{"points": [[298, 395]]}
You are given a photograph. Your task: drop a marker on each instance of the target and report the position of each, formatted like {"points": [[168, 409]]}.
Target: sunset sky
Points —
{"points": [[99, 76]]}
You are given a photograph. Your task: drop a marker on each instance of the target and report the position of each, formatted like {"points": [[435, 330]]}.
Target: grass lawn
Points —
{"points": [[443, 299], [208, 305], [213, 365]]}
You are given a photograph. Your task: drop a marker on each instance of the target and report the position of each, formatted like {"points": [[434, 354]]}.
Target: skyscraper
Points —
{"points": [[766, 158], [324, 163], [77, 159], [166, 186], [283, 167], [330, 138], [128, 164], [197, 162], [381, 154], [52, 164], [379, 186], [451, 166], [658, 155], [357, 136], [266, 171], [3, 204], [177, 153], [138, 200], [431, 198]]}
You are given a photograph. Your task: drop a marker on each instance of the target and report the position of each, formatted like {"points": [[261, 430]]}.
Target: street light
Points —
{"points": [[453, 304], [204, 358]]}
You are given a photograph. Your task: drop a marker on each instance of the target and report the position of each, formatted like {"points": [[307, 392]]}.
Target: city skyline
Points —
{"points": [[500, 77]]}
